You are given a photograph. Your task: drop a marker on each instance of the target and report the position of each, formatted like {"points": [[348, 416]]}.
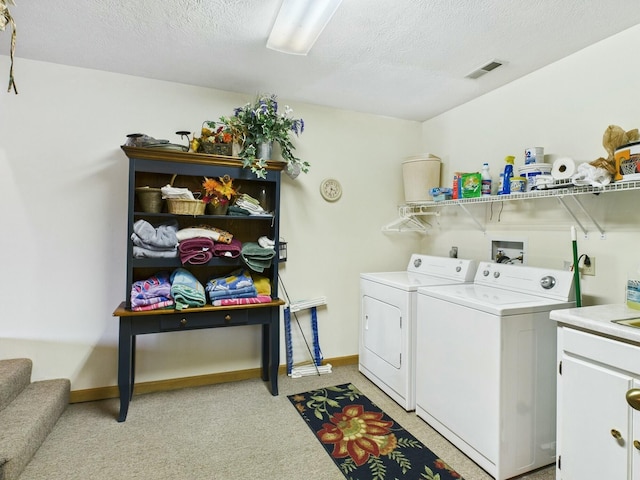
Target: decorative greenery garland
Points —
{"points": [[6, 18]]}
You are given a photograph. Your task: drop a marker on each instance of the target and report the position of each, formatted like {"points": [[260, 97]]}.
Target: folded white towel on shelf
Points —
{"points": [[176, 192], [250, 207], [266, 242]]}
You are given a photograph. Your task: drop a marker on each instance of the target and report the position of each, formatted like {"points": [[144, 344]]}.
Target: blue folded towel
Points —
{"points": [[238, 284], [236, 293], [236, 279]]}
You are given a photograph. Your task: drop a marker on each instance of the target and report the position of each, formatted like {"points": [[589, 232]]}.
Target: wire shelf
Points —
{"points": [[423, 207], [413, 210]]}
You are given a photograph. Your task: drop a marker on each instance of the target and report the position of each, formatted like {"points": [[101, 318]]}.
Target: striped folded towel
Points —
{"points": [[186, 290], [242, 301]]}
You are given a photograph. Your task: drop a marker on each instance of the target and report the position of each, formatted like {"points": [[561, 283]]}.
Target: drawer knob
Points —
{"points": [[633, 398], [616, 434], [183, 322], [636, 444], [227, 317]]}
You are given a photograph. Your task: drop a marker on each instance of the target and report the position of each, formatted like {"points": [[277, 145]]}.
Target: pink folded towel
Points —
{"points": [[242, 301], [197, 250], [154, 306], [231, 250]]}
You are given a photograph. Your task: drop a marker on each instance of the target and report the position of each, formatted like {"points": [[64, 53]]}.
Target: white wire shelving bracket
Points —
{"points": [[416, 210]]}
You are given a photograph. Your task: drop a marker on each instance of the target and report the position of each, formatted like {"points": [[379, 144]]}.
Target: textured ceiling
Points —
{"points": [[400, 58]]}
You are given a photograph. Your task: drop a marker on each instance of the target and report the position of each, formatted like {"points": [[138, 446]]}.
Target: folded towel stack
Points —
{"points": [[241, 301], [262, 284], [257, 258], [247, 202], [152, 294], [151, 242], [197, 250], [235, 211], [181, 289], [215, 234], [237, 284], [186, 290], [231, 250]]}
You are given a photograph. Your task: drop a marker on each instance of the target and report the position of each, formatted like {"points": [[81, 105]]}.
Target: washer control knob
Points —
{"points": [[458, 269], [496, 274], [417, 262], [548, 282], [485, 273]]}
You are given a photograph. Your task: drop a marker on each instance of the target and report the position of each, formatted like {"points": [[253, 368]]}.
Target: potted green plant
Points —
{"points": [[260, 124]]}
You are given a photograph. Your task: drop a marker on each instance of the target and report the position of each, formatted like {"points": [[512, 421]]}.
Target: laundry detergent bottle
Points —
{"points": [[506, 176]]}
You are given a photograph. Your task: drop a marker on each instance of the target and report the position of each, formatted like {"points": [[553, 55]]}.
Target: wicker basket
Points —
{"points": [[180, 206], [150, 199], [216, 148], [183, 206]]}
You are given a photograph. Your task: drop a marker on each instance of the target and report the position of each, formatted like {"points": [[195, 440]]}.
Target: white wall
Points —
{"points": [[64, 204], [63, 200], [565, 108]]}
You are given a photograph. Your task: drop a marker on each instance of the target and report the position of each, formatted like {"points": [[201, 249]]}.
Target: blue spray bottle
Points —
{"points": [[506, 176]]}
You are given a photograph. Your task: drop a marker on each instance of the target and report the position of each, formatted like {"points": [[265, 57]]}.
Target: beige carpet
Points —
{"points": [[220, 432]]}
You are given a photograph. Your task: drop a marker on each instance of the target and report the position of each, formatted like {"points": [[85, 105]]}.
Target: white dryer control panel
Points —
{"points": [[543, 282], [457, 269]]}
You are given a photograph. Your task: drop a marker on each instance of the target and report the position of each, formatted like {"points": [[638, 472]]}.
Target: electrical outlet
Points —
{"points": [[589, 269], [584, 269]]}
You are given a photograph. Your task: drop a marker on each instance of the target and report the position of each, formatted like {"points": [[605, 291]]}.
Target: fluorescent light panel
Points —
{"points": [[299, 24]]}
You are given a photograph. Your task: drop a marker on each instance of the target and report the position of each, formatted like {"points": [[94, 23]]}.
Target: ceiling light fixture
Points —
{"points": [[299, 24]]}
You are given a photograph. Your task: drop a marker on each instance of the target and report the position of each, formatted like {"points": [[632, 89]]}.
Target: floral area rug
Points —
{"points": [[363, 441]]}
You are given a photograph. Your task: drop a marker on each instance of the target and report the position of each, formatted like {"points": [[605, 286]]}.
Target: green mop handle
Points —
{"points": [[576, 270]]}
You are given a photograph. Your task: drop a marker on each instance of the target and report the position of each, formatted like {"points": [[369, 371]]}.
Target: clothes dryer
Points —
{"points": [[486, 364], [388, 320]]}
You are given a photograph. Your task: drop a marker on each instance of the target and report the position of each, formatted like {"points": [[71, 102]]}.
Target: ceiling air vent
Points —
{"points": [[492, 65]]}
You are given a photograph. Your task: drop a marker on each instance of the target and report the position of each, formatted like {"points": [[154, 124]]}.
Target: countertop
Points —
{"points": [[598, 320]]}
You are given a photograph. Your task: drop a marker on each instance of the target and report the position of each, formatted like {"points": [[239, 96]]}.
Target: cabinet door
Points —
{"points": [[635, 441], [593, 409]]}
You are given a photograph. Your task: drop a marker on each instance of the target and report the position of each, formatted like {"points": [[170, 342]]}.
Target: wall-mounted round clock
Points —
{"points": [[330, 189]]}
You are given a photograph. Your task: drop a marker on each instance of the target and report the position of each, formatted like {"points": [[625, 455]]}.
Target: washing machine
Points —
{"points": [[388, 320], [486, 364]]}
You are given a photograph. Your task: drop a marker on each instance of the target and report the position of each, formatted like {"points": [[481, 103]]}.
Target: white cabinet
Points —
{"points": [[598, 431]]}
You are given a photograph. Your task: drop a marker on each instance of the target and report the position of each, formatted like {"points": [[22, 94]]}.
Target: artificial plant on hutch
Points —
{"points": [[211, 134], [261, 122], [220, 191]]}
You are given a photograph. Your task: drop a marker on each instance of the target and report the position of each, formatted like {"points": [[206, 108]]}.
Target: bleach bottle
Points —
{"points": [[486, 179], [507, 175]]}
